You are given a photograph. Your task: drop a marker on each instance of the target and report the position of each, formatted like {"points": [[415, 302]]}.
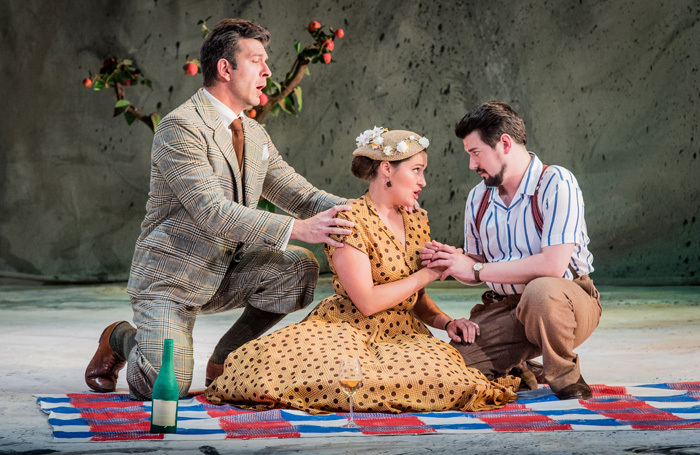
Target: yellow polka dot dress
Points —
{"points": [[404, 367]]}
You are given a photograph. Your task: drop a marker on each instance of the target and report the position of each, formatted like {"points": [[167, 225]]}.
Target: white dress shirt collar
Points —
{"points": [[225, 113]]}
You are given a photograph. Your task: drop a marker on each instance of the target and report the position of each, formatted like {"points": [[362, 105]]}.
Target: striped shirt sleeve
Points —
{"points": [[562, 207]]}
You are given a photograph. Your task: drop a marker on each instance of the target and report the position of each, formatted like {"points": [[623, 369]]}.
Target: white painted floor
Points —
{"points": [[49, 333]]}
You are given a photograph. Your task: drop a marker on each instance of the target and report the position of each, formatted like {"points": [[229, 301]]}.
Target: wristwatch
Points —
{"points": [[478, 267]]}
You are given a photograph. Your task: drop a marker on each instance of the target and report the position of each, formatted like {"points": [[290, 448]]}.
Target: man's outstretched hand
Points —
{"points": [[319, 227]]}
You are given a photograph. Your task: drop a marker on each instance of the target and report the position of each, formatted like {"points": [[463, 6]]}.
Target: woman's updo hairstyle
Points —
{"points": [[364, 168]]}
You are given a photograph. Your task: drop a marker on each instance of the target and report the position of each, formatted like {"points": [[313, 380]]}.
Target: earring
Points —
{"points": [[388, 183]]}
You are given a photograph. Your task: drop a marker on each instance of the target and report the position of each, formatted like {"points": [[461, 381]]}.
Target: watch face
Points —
{"points": [[478, 266]]}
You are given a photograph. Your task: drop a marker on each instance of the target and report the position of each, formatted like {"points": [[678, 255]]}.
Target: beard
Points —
{"points": [[494, 180]]}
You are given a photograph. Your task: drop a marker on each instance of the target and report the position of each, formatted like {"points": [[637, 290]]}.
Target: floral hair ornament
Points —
{"points": [[382, 144]]}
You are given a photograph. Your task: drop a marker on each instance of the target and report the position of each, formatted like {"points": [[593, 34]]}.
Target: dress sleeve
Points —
{"points": [[358, 238]]}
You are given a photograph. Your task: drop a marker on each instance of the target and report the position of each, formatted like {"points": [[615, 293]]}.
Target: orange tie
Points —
{"points": [[238, 141]]}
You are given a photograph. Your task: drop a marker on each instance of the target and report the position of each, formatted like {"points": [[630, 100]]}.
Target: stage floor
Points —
{"points": [[48, 334]]}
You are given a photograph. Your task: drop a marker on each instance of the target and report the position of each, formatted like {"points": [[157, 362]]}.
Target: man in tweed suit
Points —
{"points": [[204, 246]]}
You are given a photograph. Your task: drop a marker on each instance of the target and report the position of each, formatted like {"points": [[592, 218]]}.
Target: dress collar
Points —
{"points": [[407, 222]]}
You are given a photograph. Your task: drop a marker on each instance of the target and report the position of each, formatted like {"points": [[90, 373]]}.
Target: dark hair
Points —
{"points": [[366, 168], [491, 120], [222, 42]]}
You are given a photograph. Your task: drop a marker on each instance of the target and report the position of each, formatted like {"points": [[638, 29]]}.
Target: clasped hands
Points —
{"points": [[450, 260]]}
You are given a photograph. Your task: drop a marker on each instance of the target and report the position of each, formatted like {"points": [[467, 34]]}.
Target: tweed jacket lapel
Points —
{"points": [[255, 161], [221, 137]]}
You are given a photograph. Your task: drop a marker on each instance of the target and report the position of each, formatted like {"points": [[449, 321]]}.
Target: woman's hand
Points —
{"points": [[434, 273], [463, 330]]}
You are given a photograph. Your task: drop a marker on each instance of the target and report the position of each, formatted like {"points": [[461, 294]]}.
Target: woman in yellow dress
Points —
{"points": [[378, 313]]}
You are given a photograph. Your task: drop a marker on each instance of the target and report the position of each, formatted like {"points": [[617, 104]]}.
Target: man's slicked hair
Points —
{"points": [[223, 42], [493, 119]]}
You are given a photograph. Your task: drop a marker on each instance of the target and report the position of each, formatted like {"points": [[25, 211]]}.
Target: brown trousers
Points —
{"points": [[550, 318]]}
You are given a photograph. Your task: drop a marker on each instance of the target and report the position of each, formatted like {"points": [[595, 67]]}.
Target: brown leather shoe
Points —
{"points": [[528, 381], [214, 370], [579, 391], [102, 371]]}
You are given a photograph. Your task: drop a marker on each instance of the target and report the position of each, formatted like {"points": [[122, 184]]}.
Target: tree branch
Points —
{"points": [[131, 109], [299, 68]]}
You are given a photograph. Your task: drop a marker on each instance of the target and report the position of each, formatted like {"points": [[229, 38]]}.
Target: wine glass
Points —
{"points": [[350, 377]]}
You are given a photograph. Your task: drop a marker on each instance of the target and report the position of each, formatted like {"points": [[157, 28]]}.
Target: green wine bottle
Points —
{"points": [[165, 394]]}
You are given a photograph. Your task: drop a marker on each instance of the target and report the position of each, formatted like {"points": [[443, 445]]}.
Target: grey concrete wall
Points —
{"points": [[608, 89]]}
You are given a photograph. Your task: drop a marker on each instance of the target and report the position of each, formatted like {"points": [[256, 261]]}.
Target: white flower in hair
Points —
{"points": [[424, 142], [362, 139], [377, 141], [378, 130], [387, 150], [401, 147], [367, 136], [411, 138]]}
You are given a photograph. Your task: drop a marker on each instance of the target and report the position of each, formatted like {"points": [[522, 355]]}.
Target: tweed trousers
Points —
{"points": [[550, 318], [270, 280]]}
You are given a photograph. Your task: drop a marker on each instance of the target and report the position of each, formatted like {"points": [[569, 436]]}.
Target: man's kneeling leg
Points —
{"points": [[157, 320]]}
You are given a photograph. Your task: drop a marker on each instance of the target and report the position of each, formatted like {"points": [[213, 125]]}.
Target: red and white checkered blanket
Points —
{"points": [[113, 417]]}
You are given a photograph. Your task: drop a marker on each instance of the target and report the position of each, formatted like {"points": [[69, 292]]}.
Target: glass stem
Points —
{"points": [[351, 413]]}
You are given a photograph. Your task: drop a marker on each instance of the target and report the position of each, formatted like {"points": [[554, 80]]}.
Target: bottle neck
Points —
{"points": [[167, 353]]}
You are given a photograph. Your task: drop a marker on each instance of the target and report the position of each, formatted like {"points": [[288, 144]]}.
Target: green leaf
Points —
{"points": [[264, 204], [275, 110], [297, 93], [287, 105], [119, 76], [148, 83], [308, 73], [127, 62], [155, 118], [121, 107], [297, 47], [99, 85], [129, 117]]}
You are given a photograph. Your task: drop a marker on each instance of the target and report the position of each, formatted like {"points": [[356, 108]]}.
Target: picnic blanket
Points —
{"points": [[113, 417]]}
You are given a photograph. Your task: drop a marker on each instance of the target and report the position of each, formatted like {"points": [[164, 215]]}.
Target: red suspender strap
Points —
{"points": [[536, 214], [539, 222], [482, 209]]}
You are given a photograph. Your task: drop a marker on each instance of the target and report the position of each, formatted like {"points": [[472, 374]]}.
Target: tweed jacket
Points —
{"points": [[198, 213]]}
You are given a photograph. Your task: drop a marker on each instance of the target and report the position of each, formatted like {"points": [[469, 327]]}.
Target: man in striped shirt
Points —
{"points": [[525, 236]]}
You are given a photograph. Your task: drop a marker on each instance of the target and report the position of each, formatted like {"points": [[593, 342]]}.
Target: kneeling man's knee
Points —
{"points": [[299, 280], [304, 263], [540, 296]]}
